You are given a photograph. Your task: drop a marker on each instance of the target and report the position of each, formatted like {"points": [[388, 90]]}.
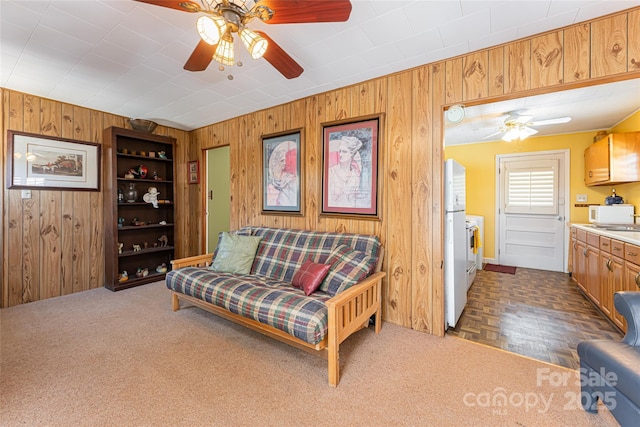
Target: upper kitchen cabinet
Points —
{"points": [[614, 159]]}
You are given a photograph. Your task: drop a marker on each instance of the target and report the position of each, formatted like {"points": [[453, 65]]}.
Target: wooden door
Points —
{"points": [[616, 278], [592, 269], [631, 283], [605, 283], [580, 264], [532, 209]]}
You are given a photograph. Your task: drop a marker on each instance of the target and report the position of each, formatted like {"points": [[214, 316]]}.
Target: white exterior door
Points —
{"points": [[532, 230]]}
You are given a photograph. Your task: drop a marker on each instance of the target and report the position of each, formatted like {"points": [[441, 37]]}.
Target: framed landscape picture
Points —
{"points": [[282, 173], [350, 167], [52, 163]]}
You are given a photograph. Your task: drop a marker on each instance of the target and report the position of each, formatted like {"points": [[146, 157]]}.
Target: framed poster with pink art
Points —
{"points": [[350, 184], [282, 173]]}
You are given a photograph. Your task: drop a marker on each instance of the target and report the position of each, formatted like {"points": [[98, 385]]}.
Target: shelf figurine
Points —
{"points": [[151, 196], [136, 248], [162, 268], [163, 240], [123, 277]]}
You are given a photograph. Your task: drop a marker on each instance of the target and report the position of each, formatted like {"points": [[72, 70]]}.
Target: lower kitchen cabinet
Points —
{"points": [[602, 266]]}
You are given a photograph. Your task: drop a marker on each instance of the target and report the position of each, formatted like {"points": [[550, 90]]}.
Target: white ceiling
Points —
{"points": [[125, 57]]}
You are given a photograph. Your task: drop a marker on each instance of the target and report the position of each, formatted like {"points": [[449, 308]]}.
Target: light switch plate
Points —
{"points": [[581, 198]]}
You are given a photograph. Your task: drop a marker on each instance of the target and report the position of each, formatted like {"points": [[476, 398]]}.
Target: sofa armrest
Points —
{"points": [[353, 307], [628, 304], [348, 312], [193, 261]]}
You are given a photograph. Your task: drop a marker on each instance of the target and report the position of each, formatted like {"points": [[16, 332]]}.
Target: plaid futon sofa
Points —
{"points": [[267, 296]]}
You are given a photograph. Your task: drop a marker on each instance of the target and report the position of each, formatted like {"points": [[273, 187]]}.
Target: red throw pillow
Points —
{"points": [[309, 276]]}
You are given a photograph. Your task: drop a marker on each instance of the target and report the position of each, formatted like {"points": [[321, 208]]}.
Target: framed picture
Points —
{"points": [[350, 167], [52, 163], [282, 173], [193, 172]]}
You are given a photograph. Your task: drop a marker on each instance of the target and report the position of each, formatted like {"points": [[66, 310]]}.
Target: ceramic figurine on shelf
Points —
{"points": [[120, 222], [136, 222], [162, 268], [142, 272], [136, 248], [151, 196], [123, 277], [162, 154], [120, 246], [163, 241]]}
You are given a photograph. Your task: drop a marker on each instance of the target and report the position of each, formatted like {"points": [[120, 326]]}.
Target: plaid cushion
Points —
{"points": [[282, 251], [310, 276], [268, 301], [348, 267]]}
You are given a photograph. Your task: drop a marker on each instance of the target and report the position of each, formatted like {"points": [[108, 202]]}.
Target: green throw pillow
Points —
{"points": [[235, 253]]}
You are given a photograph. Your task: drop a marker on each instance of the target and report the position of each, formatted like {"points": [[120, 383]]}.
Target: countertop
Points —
{"points": [[632, 237]]}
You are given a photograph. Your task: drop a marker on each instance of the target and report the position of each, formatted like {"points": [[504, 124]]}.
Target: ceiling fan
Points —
{"points": [[220, 19], [520, 127]]}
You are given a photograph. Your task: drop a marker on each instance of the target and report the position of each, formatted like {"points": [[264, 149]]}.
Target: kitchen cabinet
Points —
{"points": [[611, 278], [631, 272], [614, 159], [139, 228], [592, 254], [602, 266], [579, 260]]}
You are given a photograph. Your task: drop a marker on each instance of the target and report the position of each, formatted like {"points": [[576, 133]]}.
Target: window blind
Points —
{"points": [[531, 187]]}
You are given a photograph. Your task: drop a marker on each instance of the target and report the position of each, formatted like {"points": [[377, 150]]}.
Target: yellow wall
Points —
{"points": [[480, 162]]}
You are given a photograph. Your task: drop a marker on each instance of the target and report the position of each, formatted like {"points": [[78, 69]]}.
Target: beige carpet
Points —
{"points": [[99, 358]]}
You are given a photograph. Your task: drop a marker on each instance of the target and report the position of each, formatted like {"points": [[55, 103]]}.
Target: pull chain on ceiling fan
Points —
{"points": [[223, 18]]}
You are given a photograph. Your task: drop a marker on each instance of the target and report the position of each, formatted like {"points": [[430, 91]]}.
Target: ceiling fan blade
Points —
{"points": [[280, 59], [493, 134], [520, 120], [201, 57], [302, 11], [184, 6], [555, 121]]}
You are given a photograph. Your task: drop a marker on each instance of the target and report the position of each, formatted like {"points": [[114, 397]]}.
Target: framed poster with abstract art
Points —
{"points": [[46, 162], [282, 173], [350, 167]]}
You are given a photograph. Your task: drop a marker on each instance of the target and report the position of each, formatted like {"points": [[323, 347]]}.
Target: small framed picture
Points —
{"points": [[193, 172], [282, 173], [350, 167]]}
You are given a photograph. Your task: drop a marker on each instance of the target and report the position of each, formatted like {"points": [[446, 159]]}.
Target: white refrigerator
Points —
{"points": [[455, 253]]}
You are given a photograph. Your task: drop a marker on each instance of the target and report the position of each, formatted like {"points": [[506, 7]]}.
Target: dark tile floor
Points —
{"points": [[536, 313]]}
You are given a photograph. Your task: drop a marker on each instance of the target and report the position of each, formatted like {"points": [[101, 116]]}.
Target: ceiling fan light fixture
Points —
{"points": [[224, 51], [255, 43], [519, 132], [210, 28]]}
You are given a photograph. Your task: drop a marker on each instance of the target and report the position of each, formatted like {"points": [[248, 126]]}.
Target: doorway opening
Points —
{"points": [[218, 191]]}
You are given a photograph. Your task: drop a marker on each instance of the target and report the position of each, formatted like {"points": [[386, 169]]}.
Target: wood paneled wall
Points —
{"points": [[411, 227], [53, 243]]}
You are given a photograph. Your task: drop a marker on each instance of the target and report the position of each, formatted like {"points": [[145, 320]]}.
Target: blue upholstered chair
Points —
{"points": [[610, 370]]}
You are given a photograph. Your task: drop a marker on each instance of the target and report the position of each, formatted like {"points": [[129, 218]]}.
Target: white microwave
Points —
{"points": [[611, 214]]}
